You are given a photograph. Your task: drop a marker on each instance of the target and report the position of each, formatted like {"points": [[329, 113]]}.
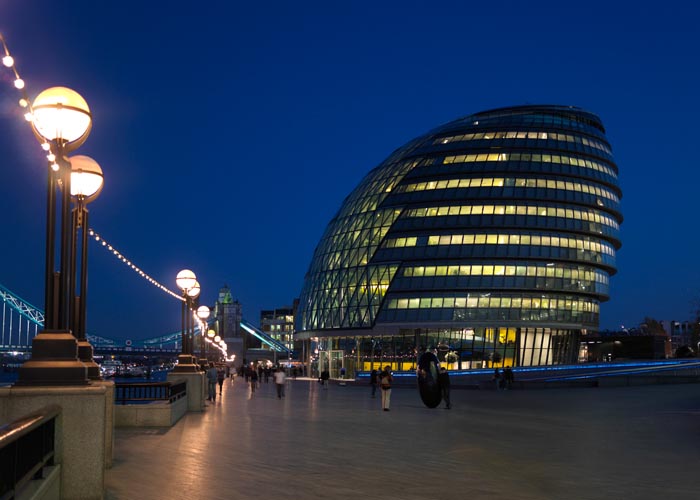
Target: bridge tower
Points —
{"points": [[228, 314]]}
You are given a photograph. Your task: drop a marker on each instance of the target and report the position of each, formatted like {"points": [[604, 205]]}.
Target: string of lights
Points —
{"points": [[99, 239], [9, 62], [24, 102]]}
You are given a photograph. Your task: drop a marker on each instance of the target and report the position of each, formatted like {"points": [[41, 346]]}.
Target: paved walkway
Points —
{"points": [[616, 443]]}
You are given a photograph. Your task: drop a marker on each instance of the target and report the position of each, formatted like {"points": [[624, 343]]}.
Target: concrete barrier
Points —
{"points": [[80, 432], [156, 414]]}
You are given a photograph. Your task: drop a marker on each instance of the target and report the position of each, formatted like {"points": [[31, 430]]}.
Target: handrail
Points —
{"points": [[27, 445], [149, 391]]}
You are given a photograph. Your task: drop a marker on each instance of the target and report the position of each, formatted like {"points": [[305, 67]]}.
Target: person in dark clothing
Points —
{"points": [[220, 376], [497, 378], [324, 378], [443, 379], [508, 376], [373, 381]]}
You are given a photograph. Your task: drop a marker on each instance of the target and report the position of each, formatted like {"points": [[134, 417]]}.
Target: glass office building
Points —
{"points": [[490, 239]]}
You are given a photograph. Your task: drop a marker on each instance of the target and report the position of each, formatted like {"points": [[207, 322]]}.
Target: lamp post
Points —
{"points": [[86, 184], [185, 280], [210, 338], [192, 295], [61, 121], [217, 341], [203, 313]]}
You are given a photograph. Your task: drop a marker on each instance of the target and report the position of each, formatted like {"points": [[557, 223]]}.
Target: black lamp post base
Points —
{"points": [[85, 355], [54, 361], [186, 363]]}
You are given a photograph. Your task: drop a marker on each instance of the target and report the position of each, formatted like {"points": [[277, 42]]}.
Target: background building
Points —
{"points": [[681, 335], [279, 323], [490, 239]]}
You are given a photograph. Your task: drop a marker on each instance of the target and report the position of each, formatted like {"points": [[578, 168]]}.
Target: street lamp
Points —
{"points": [[61, 121], [61, 118], [186, 281], [192, 295], [209, 338], [86, 184], [202, 313]]}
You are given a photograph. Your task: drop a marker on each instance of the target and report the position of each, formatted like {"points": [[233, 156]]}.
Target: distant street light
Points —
{"points": [[192, 295], [186, 281], [202, 313], [61, 121], [86, 184], [209, 339]]}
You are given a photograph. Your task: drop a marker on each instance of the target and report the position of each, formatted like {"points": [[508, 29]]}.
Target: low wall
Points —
{"points": [[80, 432], [156, 414]]}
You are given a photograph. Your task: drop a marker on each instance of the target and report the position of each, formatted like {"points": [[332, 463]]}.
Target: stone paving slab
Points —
{"points": [[598, 443]]}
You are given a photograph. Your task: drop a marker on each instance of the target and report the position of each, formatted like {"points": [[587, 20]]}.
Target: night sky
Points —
{"points": [[230, 132]]}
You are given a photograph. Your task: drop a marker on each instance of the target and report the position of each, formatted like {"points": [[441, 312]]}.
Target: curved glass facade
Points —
{"points": [[491, 239]]}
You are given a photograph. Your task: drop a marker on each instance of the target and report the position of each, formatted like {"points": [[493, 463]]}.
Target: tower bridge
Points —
{"points": [[22, 321]]}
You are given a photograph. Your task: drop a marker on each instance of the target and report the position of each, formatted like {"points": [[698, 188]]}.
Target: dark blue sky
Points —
{"points": [[230, 133]]}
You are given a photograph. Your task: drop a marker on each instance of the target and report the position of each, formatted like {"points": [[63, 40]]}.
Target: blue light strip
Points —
{"points": [[612, 369]]}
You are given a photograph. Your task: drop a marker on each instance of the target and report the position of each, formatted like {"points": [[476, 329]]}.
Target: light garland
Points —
{"points": [[9, 62], [203, 332], [133, 266]]}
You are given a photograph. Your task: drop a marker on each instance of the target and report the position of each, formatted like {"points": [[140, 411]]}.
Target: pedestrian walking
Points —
{"points": [[324, 378], [253, 380], [220, 377], [211, 380], [443, 379], [279, 382], [497, 378], [508, 376], [373, 381], [385, 380]]}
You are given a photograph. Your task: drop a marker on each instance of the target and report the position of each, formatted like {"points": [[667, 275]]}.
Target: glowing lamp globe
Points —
{"points": [[217, 339], [185, 279], [193, 292], [202, 312], [62, 115], [86, 179], [211, 334]]}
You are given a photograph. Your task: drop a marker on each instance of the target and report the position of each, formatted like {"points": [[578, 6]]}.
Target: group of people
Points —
{"points": [[278, 376], [384, 379], [215, 375], [265, 373], [503, 381]]}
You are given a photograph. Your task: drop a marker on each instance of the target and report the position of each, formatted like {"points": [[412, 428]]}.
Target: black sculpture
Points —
{"points": [[428, 387]]}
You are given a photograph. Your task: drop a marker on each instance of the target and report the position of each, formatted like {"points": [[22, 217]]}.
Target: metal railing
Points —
{"points": [[27, 445], [149, 392]]}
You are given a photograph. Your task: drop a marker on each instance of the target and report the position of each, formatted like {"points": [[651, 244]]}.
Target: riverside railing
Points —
{"points": [[27, 445], [125, 393]]}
